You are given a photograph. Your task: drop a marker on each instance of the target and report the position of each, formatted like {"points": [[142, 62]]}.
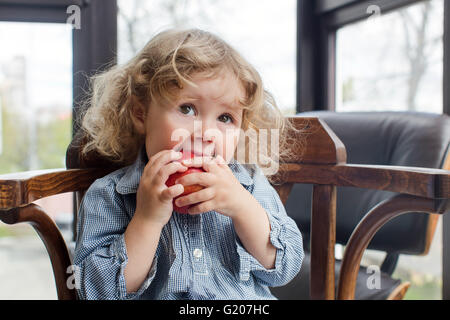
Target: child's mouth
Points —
{"points": [[208, 151], [200, 153]]}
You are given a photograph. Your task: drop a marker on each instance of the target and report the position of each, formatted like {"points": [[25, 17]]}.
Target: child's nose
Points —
{"points": [[207, 130], [212, 135]]}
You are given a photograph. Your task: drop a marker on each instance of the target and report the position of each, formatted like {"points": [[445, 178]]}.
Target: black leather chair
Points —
{"points": [[378, 138]]}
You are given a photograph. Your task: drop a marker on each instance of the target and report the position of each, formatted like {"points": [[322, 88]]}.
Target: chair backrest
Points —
{"points": [[383, 138], [75, 159]]}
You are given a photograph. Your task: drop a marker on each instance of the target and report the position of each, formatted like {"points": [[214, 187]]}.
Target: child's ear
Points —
{"points": [[138, 115]]}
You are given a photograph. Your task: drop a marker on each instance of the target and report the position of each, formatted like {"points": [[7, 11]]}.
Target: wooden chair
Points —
{"points": [[322, 163], [412, 139]]}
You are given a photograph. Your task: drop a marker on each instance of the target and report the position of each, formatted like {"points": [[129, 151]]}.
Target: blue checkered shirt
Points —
{"points": [[198, 256]]}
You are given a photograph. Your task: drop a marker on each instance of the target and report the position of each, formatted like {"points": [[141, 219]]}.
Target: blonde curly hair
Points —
{"points": [[158, 72]]}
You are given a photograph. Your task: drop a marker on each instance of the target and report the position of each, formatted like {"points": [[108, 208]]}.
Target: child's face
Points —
{"points": [[205, 120]]}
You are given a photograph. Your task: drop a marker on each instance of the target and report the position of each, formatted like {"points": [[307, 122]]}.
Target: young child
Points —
{"points": [[237, 240]]}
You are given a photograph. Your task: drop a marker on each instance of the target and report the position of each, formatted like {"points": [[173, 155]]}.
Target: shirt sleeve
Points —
{"points": [[100, 252], [284, 236]]}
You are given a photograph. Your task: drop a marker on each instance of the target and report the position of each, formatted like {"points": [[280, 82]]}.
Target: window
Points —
{"points": [[392, 62], [264, 32], [44, 66], [35, 95], [395, 62], [36, 128]]}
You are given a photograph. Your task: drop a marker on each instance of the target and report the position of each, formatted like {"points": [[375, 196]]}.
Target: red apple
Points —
{"points": [[187, 189]]}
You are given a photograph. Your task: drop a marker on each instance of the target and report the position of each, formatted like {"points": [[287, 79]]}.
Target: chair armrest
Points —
{"points": [[423, 182], [377, 217], [19, 189]]}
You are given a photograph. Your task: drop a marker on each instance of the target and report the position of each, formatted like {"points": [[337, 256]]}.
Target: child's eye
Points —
{"points": [[185, 108], [225, 116]]}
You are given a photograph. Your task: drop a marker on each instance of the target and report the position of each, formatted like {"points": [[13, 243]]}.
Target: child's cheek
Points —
{"points": [[230, 143]]}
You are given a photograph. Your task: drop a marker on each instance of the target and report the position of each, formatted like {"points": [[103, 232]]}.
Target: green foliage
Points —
{"points": [[348, 91], [15, 143], [430, 290], [52, 139], [424, 286], [4, 231]]}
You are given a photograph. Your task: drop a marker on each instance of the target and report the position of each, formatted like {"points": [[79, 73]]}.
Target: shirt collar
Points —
{"points": [[129, 182], [240, 172]]}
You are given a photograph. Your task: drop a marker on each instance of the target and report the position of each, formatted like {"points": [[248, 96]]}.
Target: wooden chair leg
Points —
{"points": [[53, 240], [323, 239]]}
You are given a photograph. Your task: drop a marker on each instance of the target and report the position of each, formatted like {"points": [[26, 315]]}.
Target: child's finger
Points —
{"points": [[195, 197], [202, 207], [172, 192], [197, 161], [209, 164], [220, 160], [163, 155], [167, 156], [169, 169], [202, 178]]}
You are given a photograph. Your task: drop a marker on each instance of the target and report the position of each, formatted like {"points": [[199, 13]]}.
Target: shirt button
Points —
{"points": [[198, 253]]}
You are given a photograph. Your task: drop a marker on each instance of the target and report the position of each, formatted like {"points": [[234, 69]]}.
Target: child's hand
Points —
{"points": [[154, 198], [222, 191]]}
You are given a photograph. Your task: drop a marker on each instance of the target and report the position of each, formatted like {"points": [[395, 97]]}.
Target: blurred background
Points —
{"points": [[388, 61]]}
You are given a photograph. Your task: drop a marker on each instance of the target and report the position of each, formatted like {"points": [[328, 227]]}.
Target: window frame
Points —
{"points": [[36, 11], [317, 24], [92, 47]]}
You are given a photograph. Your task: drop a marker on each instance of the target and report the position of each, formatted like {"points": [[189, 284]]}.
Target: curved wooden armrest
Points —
{"points": [[377, 217], [19, 189], [423, 182]]}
